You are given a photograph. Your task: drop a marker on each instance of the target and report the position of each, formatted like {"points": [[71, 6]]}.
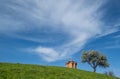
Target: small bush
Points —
{"points": [[109, 73]]}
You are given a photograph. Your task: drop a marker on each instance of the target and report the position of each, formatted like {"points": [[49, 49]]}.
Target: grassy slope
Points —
{"points": [[23, 71]]}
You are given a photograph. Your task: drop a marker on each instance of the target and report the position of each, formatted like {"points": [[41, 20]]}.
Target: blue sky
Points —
{"points": [[50, 32]]}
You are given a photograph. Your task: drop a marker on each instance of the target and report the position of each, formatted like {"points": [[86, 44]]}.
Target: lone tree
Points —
{"points": [[94, 59]]}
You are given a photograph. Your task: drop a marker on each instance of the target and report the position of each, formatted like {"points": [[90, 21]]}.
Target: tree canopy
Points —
{"points": [[94, 59]]}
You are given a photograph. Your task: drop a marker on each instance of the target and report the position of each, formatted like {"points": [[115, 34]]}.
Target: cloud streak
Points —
{"points": [[67, 22]]}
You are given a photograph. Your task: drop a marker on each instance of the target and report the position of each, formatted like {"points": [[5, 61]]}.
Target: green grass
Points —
{"points": [[26, 71]]}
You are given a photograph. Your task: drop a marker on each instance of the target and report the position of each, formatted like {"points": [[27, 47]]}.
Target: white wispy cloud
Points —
{"points": [[49, 54], [113, 47], [108, 32], [80, 19], [118, 36]]}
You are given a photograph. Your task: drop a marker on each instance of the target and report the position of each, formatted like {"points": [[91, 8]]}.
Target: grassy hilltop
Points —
{"points": [[26, 71]]}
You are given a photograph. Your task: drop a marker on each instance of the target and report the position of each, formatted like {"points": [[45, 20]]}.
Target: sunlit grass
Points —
{"points": [[25, 71]]}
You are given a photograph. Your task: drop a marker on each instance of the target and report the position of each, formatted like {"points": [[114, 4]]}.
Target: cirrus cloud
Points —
{"points": [[70, 23]]}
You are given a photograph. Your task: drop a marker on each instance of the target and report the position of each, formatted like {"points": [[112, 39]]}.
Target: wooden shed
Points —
{"points": [[71, 64]]}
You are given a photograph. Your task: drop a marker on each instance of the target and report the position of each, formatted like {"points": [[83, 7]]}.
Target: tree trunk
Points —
{"points": [[94, 69]]}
